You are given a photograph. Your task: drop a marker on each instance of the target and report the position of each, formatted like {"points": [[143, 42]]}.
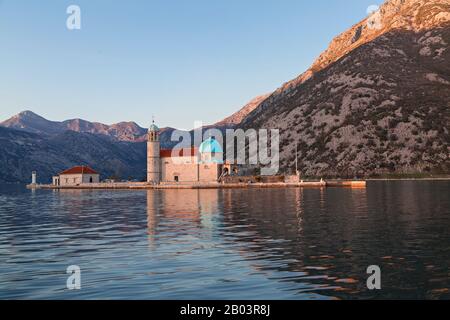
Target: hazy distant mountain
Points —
{"points": [[124, 131], [376, 101], [22, 152], [31, 122], [30, 142]]}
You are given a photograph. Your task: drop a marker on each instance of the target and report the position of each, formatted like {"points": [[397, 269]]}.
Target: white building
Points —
{"points": [[76, 176]]}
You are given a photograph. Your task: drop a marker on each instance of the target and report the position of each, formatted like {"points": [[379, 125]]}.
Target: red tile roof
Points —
{"points": [[185, 152], [79, 170]]}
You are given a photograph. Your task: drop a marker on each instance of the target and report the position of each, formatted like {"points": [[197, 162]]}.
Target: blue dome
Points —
{"points": [[210, 146]]}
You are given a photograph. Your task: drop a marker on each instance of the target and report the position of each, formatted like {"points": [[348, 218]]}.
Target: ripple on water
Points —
{"points": [[227, 244]]}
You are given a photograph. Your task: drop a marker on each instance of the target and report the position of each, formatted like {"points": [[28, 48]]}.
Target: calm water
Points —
{"points": [[227, 244]]}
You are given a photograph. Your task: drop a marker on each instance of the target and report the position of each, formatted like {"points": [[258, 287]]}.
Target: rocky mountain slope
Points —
{"points": [[413, 15], [376, 101], [237, 117]]}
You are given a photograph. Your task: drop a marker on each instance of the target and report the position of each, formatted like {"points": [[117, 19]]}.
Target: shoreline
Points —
{"points": [[409, 179], [165, 186]]}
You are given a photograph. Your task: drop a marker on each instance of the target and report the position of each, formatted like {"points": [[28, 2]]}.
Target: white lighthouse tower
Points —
{"points": [[153, 155], [33, 178]]}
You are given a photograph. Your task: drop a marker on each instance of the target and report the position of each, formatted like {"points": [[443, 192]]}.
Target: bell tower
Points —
{"points": [[153, 155]]}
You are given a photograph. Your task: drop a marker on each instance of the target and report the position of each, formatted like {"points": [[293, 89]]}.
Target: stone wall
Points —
{"points": [[209, 172], [254, 179], [188, 170], [182, 167]]}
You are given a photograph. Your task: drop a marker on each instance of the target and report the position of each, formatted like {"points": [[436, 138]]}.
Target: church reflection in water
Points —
{"points": [[263, 210], [183, 211]]}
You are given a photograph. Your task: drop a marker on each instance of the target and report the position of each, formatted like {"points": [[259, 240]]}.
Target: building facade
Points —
{"points": [[190, 165], [76, 176]]}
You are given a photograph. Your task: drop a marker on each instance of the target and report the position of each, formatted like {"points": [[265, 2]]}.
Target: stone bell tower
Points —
{"points": [[153, 155]]}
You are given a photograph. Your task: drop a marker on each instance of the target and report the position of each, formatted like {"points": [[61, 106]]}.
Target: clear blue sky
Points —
{"points": [[182, 60]]}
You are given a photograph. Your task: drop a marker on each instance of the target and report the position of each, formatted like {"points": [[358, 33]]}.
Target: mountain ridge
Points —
{"points": [[378, 23], [32, 122], [237, 117], [382, 106]]}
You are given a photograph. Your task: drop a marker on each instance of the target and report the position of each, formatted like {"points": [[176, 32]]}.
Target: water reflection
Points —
{"points": [[323, 239], [222, 244], [196, 207]]}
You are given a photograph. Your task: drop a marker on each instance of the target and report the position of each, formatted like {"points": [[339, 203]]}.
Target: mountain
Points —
{"points": [[124, 131], [22, 152], [237, 117], [31, 122], [413, 15], [376, 101]]}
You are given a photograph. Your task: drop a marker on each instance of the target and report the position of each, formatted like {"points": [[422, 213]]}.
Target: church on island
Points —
{"points": [[202, 164]]}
